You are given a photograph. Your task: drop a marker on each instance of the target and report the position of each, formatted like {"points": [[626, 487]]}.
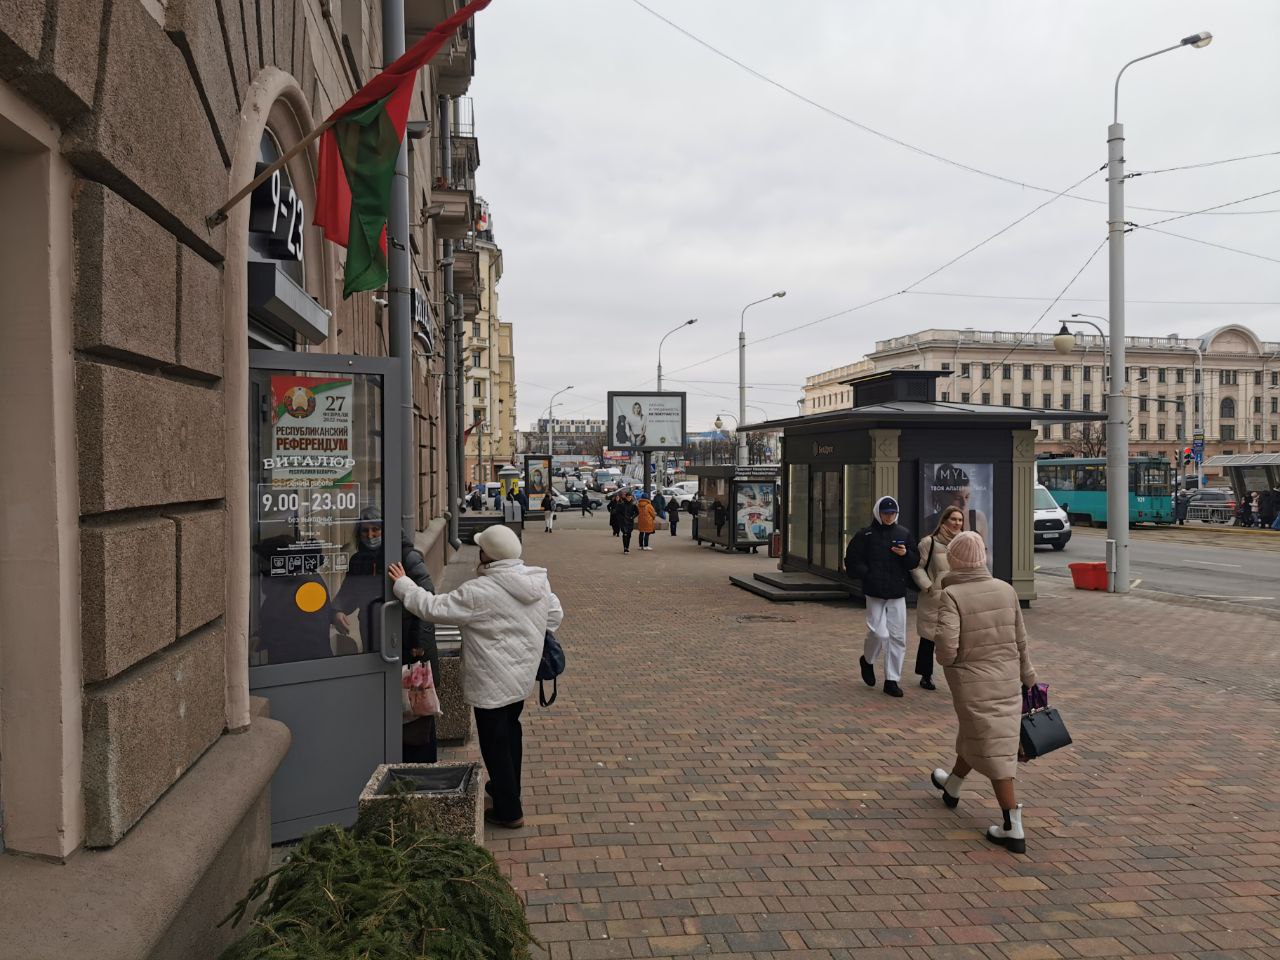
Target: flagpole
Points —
{"points": [[220, 215]]}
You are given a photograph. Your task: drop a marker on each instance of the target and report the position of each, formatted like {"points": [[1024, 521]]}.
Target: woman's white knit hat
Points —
{"points": [[499, 543], [967, 550]]}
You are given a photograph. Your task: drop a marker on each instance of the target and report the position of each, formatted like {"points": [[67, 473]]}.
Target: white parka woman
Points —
{"points": [[503, 615], [934, 566]]}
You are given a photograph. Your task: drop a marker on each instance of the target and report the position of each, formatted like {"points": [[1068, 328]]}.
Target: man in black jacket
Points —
{"points": [[882, 556], [627, 512]]}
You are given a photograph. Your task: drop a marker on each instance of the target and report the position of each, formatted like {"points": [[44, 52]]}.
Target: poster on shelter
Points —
{"points": [[646, 421], [311, 431], [967, 486], [755, 511], [537, 476]]}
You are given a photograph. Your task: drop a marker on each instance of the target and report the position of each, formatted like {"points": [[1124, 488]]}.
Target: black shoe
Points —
{"points": [[927, 683], [892, 689], [868, 672], [491, 817]]}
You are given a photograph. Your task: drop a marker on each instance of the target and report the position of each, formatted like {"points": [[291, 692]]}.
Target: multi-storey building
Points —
{"points": [[586, 438], [489, 389], [138, 594], [1225, 384], [829, 390]]}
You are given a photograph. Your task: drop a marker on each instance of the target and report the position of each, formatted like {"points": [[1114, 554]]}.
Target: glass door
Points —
{"points": [[324, 631]]}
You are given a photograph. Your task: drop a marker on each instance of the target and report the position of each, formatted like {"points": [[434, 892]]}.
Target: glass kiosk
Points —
{"points": [[737, 505]]}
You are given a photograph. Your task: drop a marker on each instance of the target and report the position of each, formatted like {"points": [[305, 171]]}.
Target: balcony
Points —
{"points": [[454, 186], [455, 64], [466, 267]]}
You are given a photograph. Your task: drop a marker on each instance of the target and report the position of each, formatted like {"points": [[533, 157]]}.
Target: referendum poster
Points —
{"points": [[646, 421], [756, 508], [965, 485], [311, 431], [537, 476]]}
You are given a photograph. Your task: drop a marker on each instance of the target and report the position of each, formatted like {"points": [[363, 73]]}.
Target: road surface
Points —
{"points": [[1246, 573]]}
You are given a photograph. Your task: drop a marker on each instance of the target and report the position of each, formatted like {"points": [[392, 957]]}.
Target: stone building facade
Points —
{"points": [[1224, 384], [134, 768]]}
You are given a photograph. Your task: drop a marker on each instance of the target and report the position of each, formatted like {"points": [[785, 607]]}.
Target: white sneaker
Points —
{"points": [[950, 786], [1010, 835]]}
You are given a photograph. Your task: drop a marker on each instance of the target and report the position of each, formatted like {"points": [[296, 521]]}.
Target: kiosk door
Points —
{"points": [[324, 631]]}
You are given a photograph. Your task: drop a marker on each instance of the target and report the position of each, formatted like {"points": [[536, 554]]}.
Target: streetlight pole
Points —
{"points": [[687, 323], [551, 428], [742, 370], [1117, 427]]}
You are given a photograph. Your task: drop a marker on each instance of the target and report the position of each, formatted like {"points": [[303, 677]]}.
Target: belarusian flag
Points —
{"points": [[358, 158]]}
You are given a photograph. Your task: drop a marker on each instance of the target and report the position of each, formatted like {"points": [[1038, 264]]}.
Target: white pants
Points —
{"points": [[550, 520], [887, 633]]}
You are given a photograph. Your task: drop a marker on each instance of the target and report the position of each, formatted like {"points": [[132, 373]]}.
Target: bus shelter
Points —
{"points": [[737, 504], [1249, 472], [898, 440]]}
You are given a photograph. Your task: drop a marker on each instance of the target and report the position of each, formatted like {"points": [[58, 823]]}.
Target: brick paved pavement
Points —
{"points": [[709, 786]]}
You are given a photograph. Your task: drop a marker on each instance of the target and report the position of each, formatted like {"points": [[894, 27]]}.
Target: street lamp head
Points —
{"points": [[689, 323], [719, 424], [780, 293], [1198, 39], [1064, 341]]}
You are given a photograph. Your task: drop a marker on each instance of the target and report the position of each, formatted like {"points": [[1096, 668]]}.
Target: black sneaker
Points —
{"points": [[892, 689], [868, 672], [927, 683]]}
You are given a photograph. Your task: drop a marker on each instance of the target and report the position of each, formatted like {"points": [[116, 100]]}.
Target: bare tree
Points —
{"points": [[1086, 442]]}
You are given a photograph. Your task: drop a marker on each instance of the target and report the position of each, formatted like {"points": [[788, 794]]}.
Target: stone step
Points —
{"points": [[797, 581], [789, 595]]}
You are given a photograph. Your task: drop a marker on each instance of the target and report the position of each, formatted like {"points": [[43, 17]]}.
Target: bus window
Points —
{"points": [[1157, 481]]}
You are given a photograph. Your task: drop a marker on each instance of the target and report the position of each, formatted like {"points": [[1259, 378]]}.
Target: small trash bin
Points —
{"points": [[1089, 576], [775, 545]]}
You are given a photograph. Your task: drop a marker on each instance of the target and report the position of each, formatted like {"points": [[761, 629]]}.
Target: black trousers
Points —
{"points": [[644, 538], [924, 658], [673, 528], [500, 745], [626, 538]]}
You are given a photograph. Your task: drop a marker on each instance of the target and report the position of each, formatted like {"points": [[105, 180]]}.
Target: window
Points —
{"points": [[1026, 399], [1196, 373], [1142, 373], [1160, 376], [1275, 432], [1178, 431], [1275, 378], [475, 329], [1066, 401], [1257, 431], [1257, 404], [1275, 405], [1228, 378], [1227, 432], [1227, 409], [1048, 401], [1126, 374], [1196, 405], [986, 399], [1179, 375], [946, 397], [986, 371], [1086, 402], [1026, 373], [1086, 374], [476, 390], [1257, 378], [1160, 431], [1048, 433], [1007, 372], [1142, 431], [964, 398], [1086, 431], [1142, 404], [964, 369], [946, 368], [475, 358], [1006, 399]]}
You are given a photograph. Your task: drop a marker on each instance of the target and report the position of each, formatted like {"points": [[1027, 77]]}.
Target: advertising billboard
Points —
{"points": [[646, 421], [537, 475], [964, 485]]}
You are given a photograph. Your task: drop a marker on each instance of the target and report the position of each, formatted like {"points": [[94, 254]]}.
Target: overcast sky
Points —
{"points": [[637, 179]]}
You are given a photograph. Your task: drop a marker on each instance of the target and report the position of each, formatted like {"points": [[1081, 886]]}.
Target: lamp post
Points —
{"points": [[551, 430], [1117, 428], [687, 323], [719, 424], [742, 370]]}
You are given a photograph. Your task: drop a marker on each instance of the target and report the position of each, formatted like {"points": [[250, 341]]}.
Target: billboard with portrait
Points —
{"points": [[965, 485], [756, 507], [537, 475], [646, 421]]}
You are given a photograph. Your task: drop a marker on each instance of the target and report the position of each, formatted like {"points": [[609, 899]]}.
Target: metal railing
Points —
{"points": [[1210, 512], [464, 161]]}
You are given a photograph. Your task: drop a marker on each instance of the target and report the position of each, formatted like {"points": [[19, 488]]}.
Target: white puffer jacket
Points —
{"points": [[503, 615]]}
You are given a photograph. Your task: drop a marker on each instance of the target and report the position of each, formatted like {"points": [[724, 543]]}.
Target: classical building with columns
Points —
{"points": [[1225, 384]]}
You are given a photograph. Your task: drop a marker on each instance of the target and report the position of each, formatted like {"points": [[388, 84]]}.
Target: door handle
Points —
{"points": [[392, 621]]}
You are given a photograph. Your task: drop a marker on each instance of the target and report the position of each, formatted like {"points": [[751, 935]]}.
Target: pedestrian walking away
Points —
{"points": [[549, 512], [660, 505], [882, 556], [503, 615], [615, 515], [586, 505], [673, 514], [646, 520], [1181, 504], [929, 576], [626, 512], [982, 646]]}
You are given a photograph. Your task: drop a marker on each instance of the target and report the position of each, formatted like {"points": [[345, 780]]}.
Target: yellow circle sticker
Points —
{"points": [[310, 597]]}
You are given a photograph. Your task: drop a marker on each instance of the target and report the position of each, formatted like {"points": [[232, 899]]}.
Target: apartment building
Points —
{"points": [[1224, 384], [160, 363]]}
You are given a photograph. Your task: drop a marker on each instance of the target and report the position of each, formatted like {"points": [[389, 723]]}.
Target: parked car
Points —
{"points": [[687, 487], [677, 494], [1052, 526], [1217, 505]]}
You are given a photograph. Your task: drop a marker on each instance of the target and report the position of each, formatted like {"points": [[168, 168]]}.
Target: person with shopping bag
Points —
{"points": [[981, 643], [503, 614]]}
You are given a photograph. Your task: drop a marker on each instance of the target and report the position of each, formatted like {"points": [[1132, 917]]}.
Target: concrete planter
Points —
{"points": [[454, 727], [445, 798]]}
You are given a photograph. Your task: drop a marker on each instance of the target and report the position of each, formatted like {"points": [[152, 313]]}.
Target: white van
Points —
{"points": [[1052, 526]]}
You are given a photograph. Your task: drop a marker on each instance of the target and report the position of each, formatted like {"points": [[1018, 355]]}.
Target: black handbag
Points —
{"points": [[1043, 731], [550, 668]]}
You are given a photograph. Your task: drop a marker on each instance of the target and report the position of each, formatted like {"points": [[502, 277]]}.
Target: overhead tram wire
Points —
{"points": [[1194, 303], [1076, 276], [1207, 163], [887, 137], [1210, 243], [1196, 213]]}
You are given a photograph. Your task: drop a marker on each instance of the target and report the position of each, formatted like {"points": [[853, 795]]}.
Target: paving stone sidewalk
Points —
{"points": [[716, 780]]}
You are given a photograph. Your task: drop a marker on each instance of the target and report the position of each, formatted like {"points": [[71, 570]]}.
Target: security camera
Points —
{"points": [[380, 302]]}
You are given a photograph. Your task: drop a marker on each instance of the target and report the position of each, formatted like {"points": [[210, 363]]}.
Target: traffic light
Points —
{"points": [[1187, 456]]}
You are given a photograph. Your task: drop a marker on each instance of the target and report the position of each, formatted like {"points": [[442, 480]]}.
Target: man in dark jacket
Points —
{"points": [[882, 556], [627, 512]]}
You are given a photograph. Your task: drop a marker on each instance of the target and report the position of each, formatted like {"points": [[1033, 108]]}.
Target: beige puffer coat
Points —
{"points": [[982, 646], [935, 567]]}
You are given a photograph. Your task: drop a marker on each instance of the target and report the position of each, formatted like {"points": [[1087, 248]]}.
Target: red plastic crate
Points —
{"points": [[1089, 576]]}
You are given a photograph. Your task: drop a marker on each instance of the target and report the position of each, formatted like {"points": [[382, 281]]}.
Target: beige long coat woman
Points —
{"points": [[982, 646], [934, 563]]}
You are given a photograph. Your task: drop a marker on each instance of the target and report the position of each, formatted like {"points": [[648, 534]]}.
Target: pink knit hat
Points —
{"points": [[967, 551]]}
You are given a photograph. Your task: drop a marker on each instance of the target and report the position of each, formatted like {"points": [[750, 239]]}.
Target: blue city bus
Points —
{"points": [[1079, 485]]}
